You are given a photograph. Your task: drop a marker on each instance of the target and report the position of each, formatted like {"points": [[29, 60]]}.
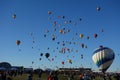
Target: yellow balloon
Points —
{"points": [[70, 61], [81, 35]]}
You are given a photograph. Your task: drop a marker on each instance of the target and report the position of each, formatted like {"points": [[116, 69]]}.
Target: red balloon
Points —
{"points": [[62, 63]]}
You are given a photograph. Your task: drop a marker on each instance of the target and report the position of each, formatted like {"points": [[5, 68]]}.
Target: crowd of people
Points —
{"points": [[6, 75], [54, 75]]}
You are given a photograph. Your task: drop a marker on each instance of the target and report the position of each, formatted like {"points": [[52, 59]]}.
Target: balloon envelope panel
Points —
{"points": [[103, 58]]}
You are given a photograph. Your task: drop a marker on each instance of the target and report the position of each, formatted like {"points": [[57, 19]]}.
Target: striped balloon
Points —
{"points": [[103, 58]]}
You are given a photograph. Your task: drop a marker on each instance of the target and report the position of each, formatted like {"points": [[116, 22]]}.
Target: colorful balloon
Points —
{"points": [[62, 62], [61, 31], [103, 58], [81, 35], [70, 61]]}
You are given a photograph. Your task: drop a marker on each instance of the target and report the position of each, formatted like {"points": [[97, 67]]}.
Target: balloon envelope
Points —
{"points": [[103, 58], [47, 55], [81, 35], [14, 16], [18, 42]]}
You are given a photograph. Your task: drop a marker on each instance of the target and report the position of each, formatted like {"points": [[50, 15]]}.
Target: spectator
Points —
{"points": [[50, 77], [29, 77], [55, 76]]}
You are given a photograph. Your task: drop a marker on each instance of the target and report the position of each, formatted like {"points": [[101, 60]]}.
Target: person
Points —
{"points": [[39, 75], [3, 75], [29, 77], [9, 78], [50, 77], [85, 77], [81, 76], [55, 76]]}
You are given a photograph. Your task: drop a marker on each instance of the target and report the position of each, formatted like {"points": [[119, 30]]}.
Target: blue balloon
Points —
{"points": [[103, 58]]}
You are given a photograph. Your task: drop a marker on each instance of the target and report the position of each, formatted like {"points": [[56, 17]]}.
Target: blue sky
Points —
{"points": [[32, 17]]}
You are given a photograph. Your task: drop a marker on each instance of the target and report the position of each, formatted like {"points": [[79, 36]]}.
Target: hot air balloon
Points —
{"points": [[14, 16], [53, 37], [45, 35], [18, 42], [61, 31], [88, 37], [47, 55], [103, 58], [32, 62], [82, 45], [81, 35], [80, 19], [70, 61], [41, 54], [63, 17], [81, 56], [40, 59], [62, 62], [95, 35], [98, 8], [54, 23], [49, 12]]}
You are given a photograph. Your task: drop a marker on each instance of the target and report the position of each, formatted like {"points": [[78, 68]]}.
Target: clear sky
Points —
{"points": [[32, 18]]}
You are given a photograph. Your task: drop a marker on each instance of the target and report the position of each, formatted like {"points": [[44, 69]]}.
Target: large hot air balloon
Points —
{"points": [[103, 58]]}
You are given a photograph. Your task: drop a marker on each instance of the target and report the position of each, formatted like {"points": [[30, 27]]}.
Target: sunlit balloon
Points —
{"points": [[103, 58], [70, 61], [61, 31], [98, 8], [81, 35]]}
